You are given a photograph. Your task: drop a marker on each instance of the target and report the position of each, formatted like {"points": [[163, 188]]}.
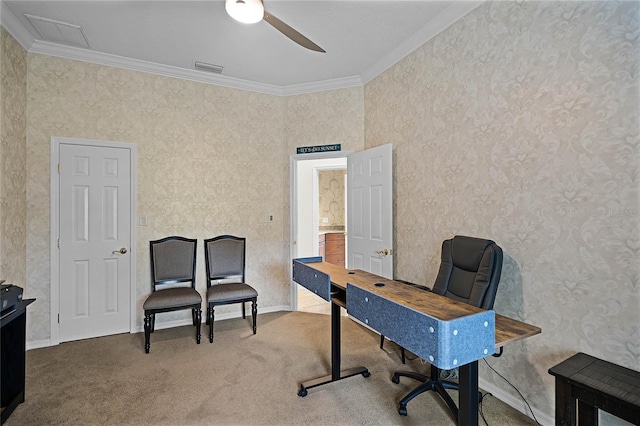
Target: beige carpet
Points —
{"points": [[240, 379]]}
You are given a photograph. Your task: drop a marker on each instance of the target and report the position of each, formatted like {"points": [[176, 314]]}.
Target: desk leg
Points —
{"points": [[336, 340], [565, 404], [468, 395], [336, 374], [587, 414]]}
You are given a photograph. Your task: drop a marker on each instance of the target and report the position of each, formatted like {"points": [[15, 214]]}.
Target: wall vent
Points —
{"points": [[58, 32], [203, 66]]}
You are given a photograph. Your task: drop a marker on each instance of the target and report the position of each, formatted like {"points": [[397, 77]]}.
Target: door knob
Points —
{"points": [[383, 252], [121, 251]]}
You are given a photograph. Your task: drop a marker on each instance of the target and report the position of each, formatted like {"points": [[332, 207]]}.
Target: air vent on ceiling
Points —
{"points": [[203, 66], [58, 32]]}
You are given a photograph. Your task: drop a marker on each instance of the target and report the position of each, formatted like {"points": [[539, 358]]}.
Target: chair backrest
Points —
{"points": [[173, 261], [470, 271], [225, 258]]}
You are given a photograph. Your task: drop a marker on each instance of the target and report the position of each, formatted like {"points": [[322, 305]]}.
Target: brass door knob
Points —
{"points": [[383, 252], [121, 251]]}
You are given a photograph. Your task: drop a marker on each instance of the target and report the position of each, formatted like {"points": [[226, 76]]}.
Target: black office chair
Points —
{"points": [[225, 261], [173, 266], [469, 272]]}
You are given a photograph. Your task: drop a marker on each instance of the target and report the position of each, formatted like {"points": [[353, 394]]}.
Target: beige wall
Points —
{"points": [[331, 200], [519, 123], [13, 131], [330, 117], [208, 158]]}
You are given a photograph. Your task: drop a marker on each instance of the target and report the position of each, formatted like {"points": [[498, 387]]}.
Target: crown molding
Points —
{"points": [[79, 54], [453, 13], [450, 15], [13, 26], [322, 86]]}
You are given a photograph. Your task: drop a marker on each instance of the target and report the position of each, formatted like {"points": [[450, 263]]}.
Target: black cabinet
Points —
{"points": [[12, 358]]}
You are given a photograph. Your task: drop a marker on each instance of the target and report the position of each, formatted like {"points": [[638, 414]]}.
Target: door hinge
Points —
{"points": [[58, 318], [58, 168], [58, 242]]}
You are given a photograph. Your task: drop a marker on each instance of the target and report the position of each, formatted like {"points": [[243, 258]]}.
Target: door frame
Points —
{"points": [[293, 209], [54, 221], [316, 195]]}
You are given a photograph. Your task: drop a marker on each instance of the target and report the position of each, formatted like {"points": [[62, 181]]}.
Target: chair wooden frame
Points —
{"points": [[196, 308], [242, 288]]}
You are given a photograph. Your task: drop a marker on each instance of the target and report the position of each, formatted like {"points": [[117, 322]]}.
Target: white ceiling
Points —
{"points": [[361, 38]]}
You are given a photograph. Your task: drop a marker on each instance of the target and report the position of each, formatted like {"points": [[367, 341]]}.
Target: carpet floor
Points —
{"points": [[239, 379]]}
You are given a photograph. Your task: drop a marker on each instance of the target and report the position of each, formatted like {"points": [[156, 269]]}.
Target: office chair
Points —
{"points": [[470, 270], [225, 261], [173, 265]]}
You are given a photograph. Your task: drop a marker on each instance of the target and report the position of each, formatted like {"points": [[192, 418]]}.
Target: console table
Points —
{"points": [[592, 384], [12, 351]]}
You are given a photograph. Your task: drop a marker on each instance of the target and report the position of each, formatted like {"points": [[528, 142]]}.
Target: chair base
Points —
{"points": [[402, 354], [150, 323], [432, 383], [254, 315]]}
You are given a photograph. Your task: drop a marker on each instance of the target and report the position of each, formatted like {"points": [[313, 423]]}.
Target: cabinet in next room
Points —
{"points": [[331, 247]]}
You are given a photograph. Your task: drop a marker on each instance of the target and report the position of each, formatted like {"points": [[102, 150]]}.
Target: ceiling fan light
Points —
{"points": [[245, 11]]}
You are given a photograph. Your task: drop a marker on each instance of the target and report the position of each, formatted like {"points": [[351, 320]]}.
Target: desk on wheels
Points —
{"points": [[445, 332]]}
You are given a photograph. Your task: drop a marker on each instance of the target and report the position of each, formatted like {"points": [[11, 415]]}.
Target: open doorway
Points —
{"points": [[318, 211]]}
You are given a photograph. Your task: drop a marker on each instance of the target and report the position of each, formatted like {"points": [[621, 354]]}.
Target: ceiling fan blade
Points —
{"points": [[291, 33]]}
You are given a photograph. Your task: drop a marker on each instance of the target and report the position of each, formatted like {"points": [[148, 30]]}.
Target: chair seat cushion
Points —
{"points": [[172, 298], [229, 292]]}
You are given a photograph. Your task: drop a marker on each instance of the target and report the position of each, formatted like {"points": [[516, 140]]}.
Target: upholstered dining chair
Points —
{"points": [[225, 264], [173, 283], [470, 270]]}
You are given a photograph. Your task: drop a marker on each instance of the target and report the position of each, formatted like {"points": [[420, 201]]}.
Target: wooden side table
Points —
{"points": [[594, 384], [12, 348]]}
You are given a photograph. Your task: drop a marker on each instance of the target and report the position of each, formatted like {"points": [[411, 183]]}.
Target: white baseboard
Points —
{"points": [[219, 317], [35, 344], [517, 403]]}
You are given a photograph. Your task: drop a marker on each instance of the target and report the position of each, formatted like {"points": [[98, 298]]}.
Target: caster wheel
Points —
{"points": [[402, 411], [302, 392], [395, 379], [366, 374]]}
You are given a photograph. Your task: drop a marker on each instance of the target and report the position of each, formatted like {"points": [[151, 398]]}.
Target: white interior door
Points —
{"points": [[370, 211], [95, 237]]}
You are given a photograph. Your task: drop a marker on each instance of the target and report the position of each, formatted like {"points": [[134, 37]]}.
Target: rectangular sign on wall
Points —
{"points": [[318, 148]]}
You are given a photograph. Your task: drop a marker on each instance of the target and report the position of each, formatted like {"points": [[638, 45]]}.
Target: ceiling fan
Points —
{"points": [[252, 11]]}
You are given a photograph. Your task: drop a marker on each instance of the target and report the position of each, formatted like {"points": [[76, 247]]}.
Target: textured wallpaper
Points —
{"points": [[13, 136], [333, 116], [331, 200], [211, 160], [208, 157], [519, 123]]}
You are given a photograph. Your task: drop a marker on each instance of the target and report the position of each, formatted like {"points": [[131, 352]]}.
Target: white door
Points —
{"points": [[95, 234], [370, 211]]}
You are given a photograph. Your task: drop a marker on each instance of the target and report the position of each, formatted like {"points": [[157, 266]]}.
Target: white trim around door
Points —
{"points": [[293, 210], [55, 226]]}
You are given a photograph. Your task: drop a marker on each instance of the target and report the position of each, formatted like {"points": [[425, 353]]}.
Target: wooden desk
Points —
{"points": [[423, 302], [507, 330], [12, 348]]}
